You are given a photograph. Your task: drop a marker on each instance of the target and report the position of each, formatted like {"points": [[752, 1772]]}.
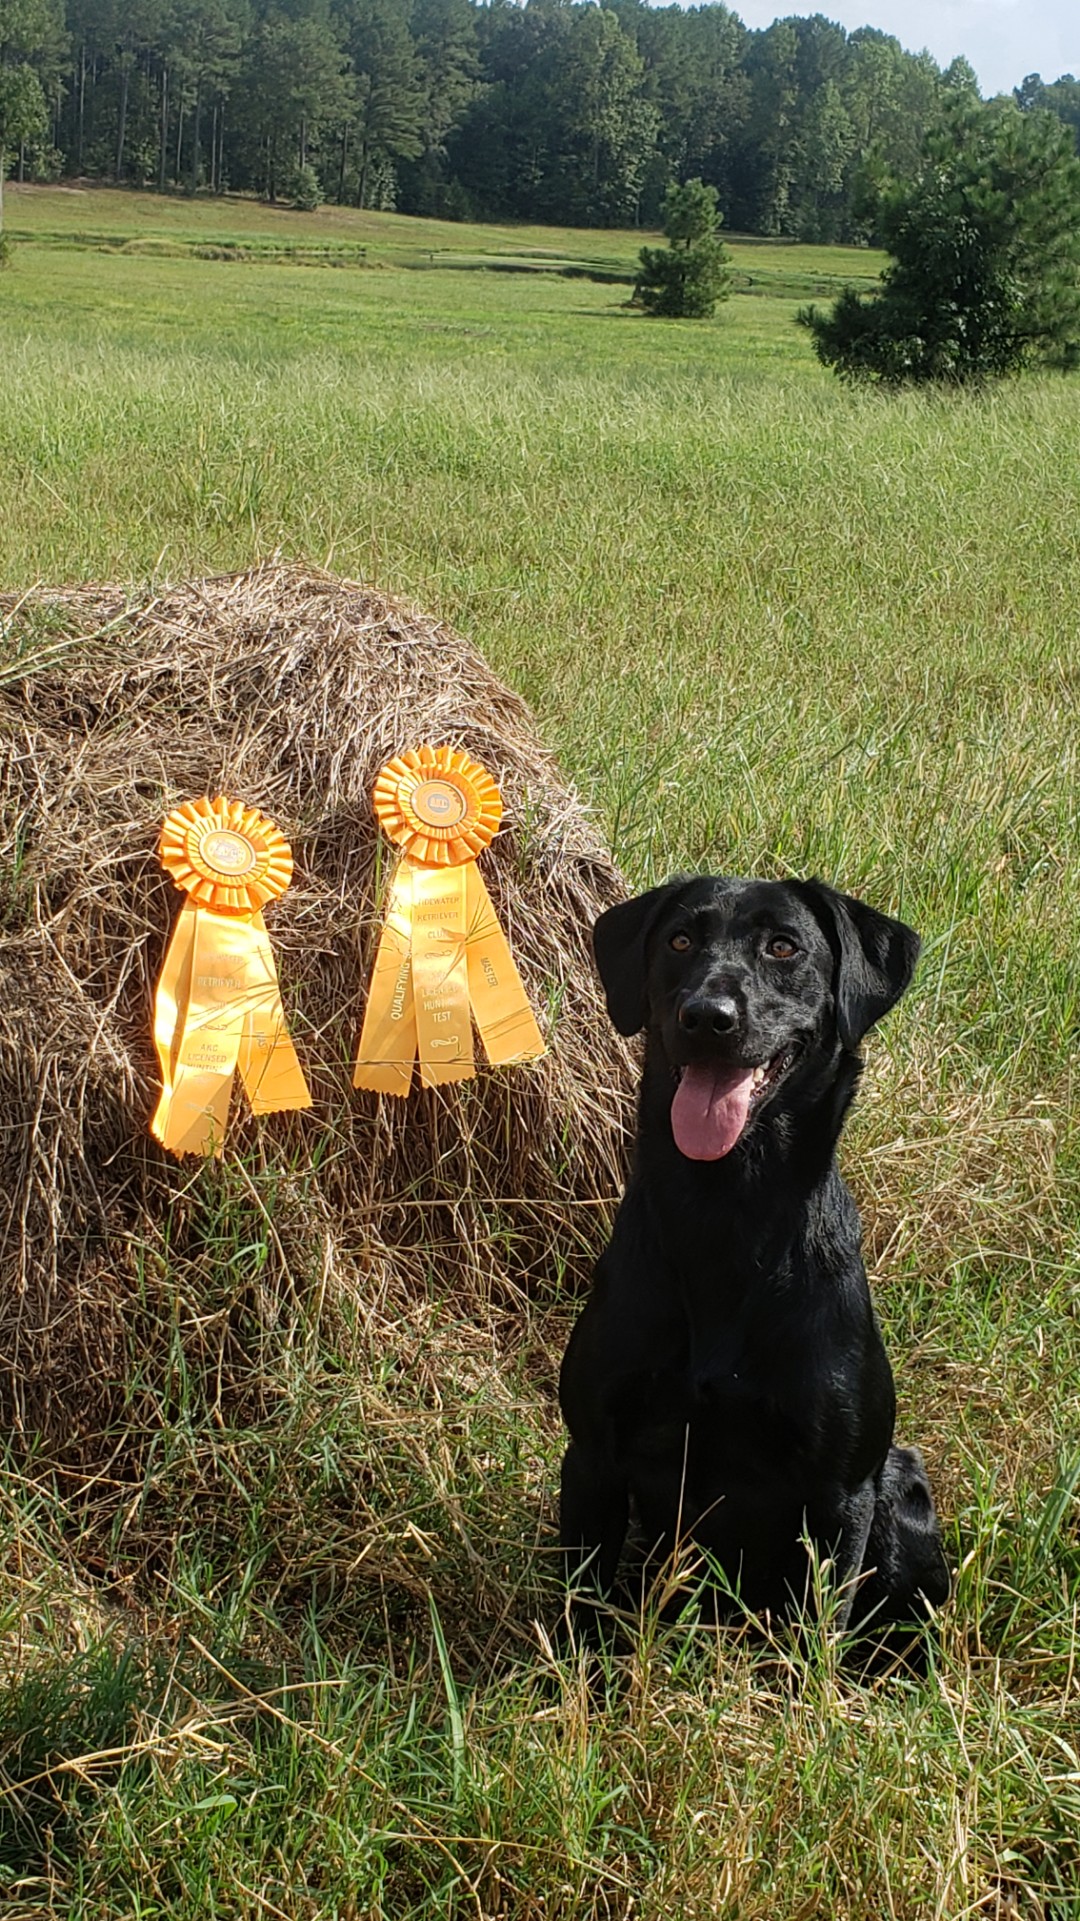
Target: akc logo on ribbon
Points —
{"points": [[218, 1008], [443, 960]]}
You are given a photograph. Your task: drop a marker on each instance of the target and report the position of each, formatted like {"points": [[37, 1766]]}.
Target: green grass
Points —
{"points": [[769, 625], [107, 219]]}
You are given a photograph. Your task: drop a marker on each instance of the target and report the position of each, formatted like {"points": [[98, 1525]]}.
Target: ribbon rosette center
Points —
{"points": [[227, 853], [443, 959]]}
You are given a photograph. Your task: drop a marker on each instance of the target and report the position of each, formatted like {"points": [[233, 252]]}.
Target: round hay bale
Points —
{"points": [[289, 690]]}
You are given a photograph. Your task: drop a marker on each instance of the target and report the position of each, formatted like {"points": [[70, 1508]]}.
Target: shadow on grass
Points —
{"points": [[63, 1729]]}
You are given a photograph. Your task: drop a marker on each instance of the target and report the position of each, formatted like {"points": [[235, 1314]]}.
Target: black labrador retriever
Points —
{"points": [[726, 1382]]}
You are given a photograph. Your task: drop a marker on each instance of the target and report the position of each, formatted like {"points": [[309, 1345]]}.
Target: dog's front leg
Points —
{"points": [[850, 1549], [594, 1512], [908, 1575]]}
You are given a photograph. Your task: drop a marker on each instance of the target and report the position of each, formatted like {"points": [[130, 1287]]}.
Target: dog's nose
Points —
{"points": [[719, 1016]]}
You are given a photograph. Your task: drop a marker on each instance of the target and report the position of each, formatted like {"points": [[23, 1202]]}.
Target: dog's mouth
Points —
{"points": [[714, 1105]]}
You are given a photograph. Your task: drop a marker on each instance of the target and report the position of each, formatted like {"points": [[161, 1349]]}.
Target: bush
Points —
{"points": [[46, 165]]}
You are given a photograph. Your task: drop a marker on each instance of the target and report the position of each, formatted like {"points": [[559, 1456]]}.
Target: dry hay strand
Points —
{"points": [[289, 690]]}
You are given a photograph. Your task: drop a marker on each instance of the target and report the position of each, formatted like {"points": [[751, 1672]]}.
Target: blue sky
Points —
{"points": [[1003, 39]]}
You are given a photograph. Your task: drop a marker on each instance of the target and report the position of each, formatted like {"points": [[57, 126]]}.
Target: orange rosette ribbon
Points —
{"points": [[443, 960], [217, 1009]]}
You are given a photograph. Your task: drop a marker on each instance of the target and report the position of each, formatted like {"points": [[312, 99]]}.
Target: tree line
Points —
{"points": [[553, 110]]}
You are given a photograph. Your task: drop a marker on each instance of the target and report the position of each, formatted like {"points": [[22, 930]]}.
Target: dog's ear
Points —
{"points": [[875, 958], [619, 938]]}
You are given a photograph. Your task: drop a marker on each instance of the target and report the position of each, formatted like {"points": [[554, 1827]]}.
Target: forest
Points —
{"points": [[553, 110]]}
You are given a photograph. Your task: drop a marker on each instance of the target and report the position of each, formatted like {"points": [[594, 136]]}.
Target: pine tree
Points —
{"points": [[294, 86], [445, 35], [209, 37], [985, 240], [684, 280], [388, 114]]}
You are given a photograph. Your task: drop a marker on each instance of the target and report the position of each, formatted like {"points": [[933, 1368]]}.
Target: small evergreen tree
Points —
{"points": [[985, 274], [304, 189], [686, 279]]}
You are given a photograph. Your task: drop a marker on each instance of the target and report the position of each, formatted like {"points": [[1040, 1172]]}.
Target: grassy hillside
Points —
{"points": [[117, 220], [769, 625]]}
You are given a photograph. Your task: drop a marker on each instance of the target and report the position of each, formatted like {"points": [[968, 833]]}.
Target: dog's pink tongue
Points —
{"points": [[710, 1110]]}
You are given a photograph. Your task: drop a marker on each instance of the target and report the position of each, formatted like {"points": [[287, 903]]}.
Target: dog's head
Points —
{"points": [[749, 988]]}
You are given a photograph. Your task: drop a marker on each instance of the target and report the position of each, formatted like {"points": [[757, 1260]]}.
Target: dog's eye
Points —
{"points": [[781, 948], [680, 942]]}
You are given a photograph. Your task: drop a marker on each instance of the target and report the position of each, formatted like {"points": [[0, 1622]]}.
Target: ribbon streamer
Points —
{"points": [[217, 1010], [443, 960]]}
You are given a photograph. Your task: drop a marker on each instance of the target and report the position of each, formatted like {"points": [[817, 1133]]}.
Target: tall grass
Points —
{"points": [[770, 625]]}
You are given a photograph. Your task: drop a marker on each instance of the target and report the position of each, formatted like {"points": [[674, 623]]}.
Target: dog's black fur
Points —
{"points": [[726, 1381]]}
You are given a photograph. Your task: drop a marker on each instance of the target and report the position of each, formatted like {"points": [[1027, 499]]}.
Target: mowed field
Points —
{"points": [[769, 626]]}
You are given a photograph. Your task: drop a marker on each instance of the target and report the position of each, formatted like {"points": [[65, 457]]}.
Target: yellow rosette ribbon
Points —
{"points": [[218, 1007], [443, 960]]}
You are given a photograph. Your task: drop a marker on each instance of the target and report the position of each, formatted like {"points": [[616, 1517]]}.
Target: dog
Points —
{"points": [[726, 1383]]}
